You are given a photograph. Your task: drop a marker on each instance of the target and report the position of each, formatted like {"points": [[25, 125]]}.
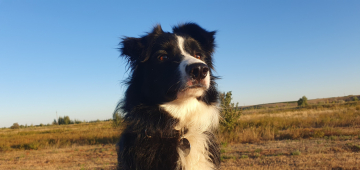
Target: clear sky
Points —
{"points": [[61, 56]]}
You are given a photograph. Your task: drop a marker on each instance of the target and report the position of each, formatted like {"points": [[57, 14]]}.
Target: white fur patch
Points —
{"points": [[197, 117]]}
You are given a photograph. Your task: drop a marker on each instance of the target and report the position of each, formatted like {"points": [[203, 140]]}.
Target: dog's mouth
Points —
{"points": [[191, 87], [194, 86], [193, 90]]}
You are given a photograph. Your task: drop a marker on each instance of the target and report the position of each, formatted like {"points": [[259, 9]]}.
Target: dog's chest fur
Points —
{"points": [[200, 119]]}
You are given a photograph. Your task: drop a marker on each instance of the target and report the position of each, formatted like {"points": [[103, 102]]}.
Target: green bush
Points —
{"points": [[302, 102], [229, 112], [117, 119], [297, 152], [319, 134]]}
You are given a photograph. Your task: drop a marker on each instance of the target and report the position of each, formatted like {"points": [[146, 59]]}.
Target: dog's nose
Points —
{"points": [[197, 71]]}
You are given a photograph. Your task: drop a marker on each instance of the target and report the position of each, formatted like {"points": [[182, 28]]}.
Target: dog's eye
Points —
{"points": [[163, 57], [198, 56]]}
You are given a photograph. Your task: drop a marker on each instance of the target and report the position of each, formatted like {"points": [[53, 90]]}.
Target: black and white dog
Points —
{"points": [[170, 104]]}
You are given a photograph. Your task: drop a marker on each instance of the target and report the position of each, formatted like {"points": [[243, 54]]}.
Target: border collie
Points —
{"points": [[170, 105]]}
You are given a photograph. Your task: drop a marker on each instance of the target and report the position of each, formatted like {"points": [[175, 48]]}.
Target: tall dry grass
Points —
{"points": [[322, 121], [57, 136], [294, 123]]}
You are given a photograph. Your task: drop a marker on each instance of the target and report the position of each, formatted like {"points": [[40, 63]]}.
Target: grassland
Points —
{"points": [[58, 136], [315, 121], [320, 136]]}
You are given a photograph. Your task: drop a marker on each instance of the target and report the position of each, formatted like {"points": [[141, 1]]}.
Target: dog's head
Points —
{"points": [[169, 66]]}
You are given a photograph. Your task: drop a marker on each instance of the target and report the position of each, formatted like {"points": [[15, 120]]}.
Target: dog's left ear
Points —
{"points": [[205, 38]]}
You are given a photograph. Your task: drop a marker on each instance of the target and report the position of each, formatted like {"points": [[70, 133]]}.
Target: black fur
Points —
{"points": [[152, 83]]}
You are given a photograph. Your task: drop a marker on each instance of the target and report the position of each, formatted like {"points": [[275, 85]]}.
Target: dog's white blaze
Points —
{"points": [[187, 60], [197, 117]]}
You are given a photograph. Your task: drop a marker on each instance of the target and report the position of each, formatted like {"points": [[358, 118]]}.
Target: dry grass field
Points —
{"points": [[336, 153], [323, 136]]}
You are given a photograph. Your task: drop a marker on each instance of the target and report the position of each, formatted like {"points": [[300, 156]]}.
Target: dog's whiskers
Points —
{"points": [[172, 86]]}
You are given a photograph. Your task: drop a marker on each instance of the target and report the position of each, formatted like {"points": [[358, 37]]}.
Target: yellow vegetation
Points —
{"points": [[290, 123], [56, 136]]}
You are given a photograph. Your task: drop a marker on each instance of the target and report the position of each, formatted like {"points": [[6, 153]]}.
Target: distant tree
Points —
{"points": [[302, 101], [64, 120], [229, 111], [54, 122], [15, 126], [67, 120], [355, 99], [61, 120], [77, 121]]}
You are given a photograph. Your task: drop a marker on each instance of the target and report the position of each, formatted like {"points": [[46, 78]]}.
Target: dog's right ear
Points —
{"points": [[134, 49], [131, 49]]}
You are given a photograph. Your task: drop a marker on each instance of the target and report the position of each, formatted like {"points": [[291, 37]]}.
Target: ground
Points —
{"points": [[280, 136], [339, 153], [294, 154], [75, 157]]}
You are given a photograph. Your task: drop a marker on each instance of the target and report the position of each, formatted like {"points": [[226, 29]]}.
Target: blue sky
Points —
{"points": [[61, 56]]}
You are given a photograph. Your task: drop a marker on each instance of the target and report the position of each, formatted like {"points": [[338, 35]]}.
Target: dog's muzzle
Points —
{"points": [[195, 79]]}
